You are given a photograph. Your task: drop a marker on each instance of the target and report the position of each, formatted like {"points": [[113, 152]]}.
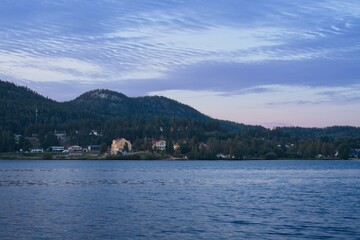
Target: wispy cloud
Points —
{"points": [[47, 69], [276, 55], [124, 40]]}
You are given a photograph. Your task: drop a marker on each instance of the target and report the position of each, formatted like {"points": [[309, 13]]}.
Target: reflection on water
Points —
{"points": [[179, 200]]}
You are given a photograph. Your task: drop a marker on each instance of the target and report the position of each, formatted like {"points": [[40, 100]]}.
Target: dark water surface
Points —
{"points": [[179, 199]]}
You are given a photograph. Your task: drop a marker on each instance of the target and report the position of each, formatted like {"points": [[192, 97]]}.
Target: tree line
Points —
{"points": [[195, 139]]}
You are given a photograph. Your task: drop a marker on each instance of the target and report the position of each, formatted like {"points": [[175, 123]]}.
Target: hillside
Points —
{"points": [[21, 107], [35, 119], [18, 107], [23, 111], [113, 104]]}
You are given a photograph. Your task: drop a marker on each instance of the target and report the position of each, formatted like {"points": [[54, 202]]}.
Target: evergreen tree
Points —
{"points": [[344, 151]]}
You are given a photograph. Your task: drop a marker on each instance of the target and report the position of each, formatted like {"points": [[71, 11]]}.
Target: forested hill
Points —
{"points": [[113, 104], [18, 107], [29, 120], [21, 107]]}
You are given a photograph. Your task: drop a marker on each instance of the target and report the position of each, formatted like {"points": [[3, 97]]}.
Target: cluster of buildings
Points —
{"points": [[72, 150], [123, 146], [118, 146]]}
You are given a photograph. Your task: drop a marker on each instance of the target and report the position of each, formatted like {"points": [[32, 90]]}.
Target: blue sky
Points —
{"points": [[273, 63]]}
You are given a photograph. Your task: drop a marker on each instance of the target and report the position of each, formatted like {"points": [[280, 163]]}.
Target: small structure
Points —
{"points": [[355, 153], [75, 148], [57, 148], [17, 137], [37, 150], [120, 146], [176, 146], [95, 133], [223, 156], [93, 148], [159, 145], [60, 135]]}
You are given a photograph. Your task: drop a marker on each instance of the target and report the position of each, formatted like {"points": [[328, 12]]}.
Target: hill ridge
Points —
{"points": [[33, 119]]}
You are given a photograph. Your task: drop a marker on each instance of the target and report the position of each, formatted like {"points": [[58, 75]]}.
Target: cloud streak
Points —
{"points": [[225, 47], [148, 39]]}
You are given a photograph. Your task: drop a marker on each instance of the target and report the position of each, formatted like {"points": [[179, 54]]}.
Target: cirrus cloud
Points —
{"points": [[210, 46]]}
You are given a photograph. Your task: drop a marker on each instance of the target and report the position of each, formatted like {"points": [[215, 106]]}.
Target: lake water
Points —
{"points": [[179, 199]]}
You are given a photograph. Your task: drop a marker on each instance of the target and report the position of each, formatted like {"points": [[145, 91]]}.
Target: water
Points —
{"points": [[179, 199]]}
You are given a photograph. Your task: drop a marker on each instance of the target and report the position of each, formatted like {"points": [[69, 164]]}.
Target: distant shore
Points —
{"points": [[136, 156]]}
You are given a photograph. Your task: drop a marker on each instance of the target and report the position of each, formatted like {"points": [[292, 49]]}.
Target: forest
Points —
{"points": [[29, 120]]}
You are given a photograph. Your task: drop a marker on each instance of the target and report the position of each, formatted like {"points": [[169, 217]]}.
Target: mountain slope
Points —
{"points": [[143, 119], [20, 107], [104, 102], [114, 104]]}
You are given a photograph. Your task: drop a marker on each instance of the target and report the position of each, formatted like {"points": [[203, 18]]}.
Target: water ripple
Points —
{"points": [[179, 200]]}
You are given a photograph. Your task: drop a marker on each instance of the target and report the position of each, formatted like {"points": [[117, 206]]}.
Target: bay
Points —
{"points": [[179, 199]]}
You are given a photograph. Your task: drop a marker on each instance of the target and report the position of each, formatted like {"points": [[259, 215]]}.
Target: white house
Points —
{"points": [[37, 150], [160, 145], [75, 148], [57, 148]]}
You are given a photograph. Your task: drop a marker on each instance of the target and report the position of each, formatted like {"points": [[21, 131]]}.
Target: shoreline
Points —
{"points": [[136, 157]]}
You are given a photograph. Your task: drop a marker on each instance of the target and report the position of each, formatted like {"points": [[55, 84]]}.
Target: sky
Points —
{"points": [[270, 63]]}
